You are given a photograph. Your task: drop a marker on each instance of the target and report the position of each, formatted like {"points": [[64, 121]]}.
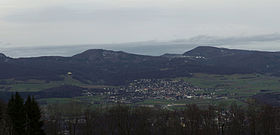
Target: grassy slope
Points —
{"points": [[243, 85], [38, 85]]}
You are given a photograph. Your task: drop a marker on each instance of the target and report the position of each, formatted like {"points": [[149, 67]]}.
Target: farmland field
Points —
{"points": [[231, 88]]}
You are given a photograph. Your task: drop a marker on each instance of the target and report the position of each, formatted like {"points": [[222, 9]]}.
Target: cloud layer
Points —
{"points": [[66, 22]]}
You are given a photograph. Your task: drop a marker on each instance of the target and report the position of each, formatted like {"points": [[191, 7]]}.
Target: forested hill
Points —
{"points": [[248, 61], [116, 67]]}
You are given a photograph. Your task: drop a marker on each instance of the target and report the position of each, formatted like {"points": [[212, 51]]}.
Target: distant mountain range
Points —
{"points": [[99, 66]]}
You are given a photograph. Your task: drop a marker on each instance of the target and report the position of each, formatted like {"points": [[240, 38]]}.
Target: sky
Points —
{"points": [[108, 23]]}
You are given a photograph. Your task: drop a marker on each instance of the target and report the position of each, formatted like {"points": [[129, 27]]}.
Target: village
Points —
{"points": [[149, 89]]}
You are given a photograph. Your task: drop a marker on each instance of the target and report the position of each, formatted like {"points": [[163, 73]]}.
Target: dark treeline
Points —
{"points": [[131, 120], [20, 117], [74, 119]]}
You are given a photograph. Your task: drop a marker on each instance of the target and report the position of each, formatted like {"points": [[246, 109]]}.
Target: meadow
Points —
{"points": [[237, 88]]}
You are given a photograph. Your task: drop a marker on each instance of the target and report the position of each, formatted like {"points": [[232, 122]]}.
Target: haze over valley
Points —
{"points": [[268, 42]]}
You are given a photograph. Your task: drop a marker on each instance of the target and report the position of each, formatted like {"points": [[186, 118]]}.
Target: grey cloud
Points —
{"points": [[268, 42], [258, 38], [78, 22], [4, 44], [213, 40], [63, 14]]}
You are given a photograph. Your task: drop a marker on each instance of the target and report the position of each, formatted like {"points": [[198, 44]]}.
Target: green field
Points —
{"points": [[241, 85], [38, 85], [238, 88]]}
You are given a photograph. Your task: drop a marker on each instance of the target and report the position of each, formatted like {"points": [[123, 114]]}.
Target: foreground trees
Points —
{"points": [[3, 118], [193, 120], [17, 115], [33, 123], [21, 118]]}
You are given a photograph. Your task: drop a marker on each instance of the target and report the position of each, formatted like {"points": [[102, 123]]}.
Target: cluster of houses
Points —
{"points": [[143, 89]]}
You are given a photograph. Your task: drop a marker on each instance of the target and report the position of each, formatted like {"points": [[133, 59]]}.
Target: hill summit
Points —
{"points": [[211, 52]]}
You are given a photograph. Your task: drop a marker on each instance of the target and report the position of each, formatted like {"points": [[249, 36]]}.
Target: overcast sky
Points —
{"points": [[36, 23]]}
